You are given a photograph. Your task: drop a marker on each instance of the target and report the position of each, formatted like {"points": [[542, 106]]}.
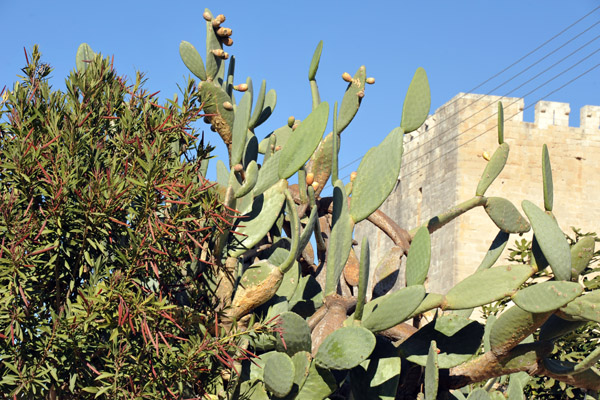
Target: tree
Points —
{"points": [[106, 221]]}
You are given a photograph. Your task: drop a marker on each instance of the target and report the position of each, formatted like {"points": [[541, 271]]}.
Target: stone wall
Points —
{"points": [[443, 163]]}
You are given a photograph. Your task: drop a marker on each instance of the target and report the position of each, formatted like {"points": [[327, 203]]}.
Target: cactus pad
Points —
{"points": [[486, 286], [551, 240], [581, 255], [393, 308], [295, 333], [547, 178], [584, 307], [341, 238], [419, 258], [416, 103], [319, 384], [512, 326], [253, 226], [432, 373], [192, 59], [506, 216], [303, 141], [279, 374], [494, 251], [547, 296], [373, 184], [345, 348], [454, 349], [493, 169], [351, 100]]}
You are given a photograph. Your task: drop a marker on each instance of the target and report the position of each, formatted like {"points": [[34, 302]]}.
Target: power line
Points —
{"points": [[518, 74], [483, 133], [523, 96]]}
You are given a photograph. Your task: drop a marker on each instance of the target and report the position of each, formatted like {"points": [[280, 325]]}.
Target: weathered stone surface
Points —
{"points": [[443, 162]]}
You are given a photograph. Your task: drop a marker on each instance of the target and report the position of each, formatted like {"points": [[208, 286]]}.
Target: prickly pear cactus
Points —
{"points": [[288, 261]]}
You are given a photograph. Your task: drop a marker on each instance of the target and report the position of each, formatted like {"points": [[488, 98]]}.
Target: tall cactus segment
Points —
{"points": [[419, 258], [551, 240], [84, 56], [547, 179], [374, 184], [493, 169], [303, 141], [416, 103], [324, 336]]}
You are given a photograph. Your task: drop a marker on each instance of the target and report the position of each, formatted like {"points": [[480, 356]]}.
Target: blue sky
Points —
{"points": [[459, 43]]}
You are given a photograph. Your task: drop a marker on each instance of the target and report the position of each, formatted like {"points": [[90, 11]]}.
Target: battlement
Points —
{"points": [[479, 108]]}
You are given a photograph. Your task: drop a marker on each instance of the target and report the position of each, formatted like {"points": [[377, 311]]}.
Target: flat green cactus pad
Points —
{"points": [[416, 103], [345, 348], [547, 296], [454, 349], [551, 240], [493, 169], [506, 216], [279, 374], [486, 286]]}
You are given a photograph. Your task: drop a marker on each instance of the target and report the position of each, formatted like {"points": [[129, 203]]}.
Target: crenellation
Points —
{"points": [[443, 161], [590, 118], [551, 113]]}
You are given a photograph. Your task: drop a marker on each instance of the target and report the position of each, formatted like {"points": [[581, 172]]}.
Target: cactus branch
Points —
{"points": [[439, 221]]}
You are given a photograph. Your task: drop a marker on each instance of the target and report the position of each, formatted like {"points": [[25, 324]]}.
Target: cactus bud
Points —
{"points": [[347, 77], [353, 176], [277, 148], [224, 31], [242, 87], [310, 178], [227, 41], [207, 16], [291, 121], [486, 155], [215, 23], [370, 80], [228, 106], [296, 123], [361, 94], [315, 186], [238, 167], [225, 55], [220, 17]]}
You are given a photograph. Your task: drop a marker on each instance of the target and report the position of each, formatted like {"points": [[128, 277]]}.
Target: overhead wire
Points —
{"points": [[521, 72]]}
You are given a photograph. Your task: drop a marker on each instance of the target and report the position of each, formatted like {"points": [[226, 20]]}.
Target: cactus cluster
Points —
{"points": [[328, 337]]}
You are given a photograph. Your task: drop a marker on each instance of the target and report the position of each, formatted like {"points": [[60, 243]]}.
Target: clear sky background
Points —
{"points": [[461, 44]]}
